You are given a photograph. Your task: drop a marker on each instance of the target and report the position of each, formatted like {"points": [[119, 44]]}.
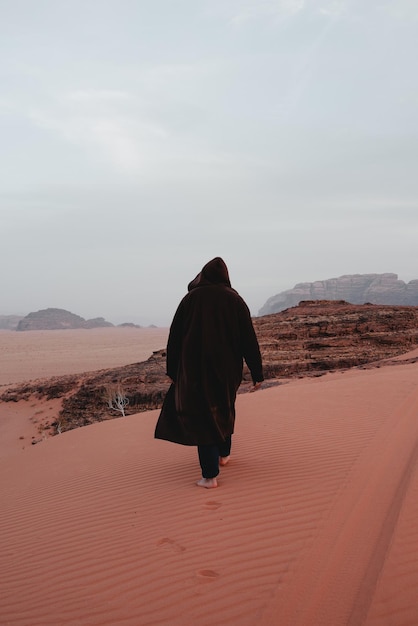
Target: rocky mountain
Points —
{"points": [[353, 288], [308, 340], [58, 319]]}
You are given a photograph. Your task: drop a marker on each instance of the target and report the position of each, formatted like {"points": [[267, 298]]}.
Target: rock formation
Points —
{"points": [[308, 340], [58, 319], [97, 322], [353, 288], [319, 336]]}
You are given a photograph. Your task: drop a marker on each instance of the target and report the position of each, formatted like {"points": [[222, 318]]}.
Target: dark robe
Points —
{"points": [[210, 335]]}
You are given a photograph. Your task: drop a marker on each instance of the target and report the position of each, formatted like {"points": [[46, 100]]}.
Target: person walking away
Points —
{"points": [[210, 336]]}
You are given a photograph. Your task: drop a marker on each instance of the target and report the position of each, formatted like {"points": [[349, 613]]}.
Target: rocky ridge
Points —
{"points": [[353, 288], [319, 336], [58, 319], [308, 340]]}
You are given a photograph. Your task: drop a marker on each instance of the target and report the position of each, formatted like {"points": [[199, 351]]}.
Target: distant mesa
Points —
{"points": [[97, 322], [353, 288], [129, 325], [58, 319]]}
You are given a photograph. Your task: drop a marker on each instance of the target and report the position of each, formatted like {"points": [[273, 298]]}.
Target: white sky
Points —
{"points": [[139, 139]]}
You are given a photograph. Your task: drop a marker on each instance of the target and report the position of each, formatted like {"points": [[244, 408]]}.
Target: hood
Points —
{"points": [[215, 272]]}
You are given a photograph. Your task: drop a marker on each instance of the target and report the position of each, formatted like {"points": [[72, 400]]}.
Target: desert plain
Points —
{"points": [[314, 522]]}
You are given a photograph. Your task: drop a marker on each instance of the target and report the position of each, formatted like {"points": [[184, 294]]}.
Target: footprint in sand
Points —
{"points": [[207, 575], [170, 544], [212, 505]]}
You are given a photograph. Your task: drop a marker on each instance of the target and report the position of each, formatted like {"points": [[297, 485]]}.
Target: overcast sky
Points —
{"points": [[141, 138]]}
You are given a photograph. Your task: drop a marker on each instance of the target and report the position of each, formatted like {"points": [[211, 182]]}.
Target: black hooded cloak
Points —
{"points": [[210, 336]]}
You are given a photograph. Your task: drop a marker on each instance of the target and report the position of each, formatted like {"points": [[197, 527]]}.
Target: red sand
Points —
{"points": [[313, 524]]}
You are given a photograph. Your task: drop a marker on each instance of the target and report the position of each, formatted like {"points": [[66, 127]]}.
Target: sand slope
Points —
{"points": [[314, 522]]}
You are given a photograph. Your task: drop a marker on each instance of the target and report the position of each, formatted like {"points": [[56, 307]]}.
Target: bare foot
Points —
{"points": [[208, 483], [223, 460]]}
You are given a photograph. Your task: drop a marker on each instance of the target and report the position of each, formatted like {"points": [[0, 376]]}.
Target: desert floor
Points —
{"points": [[313, 522], [43, 353]]}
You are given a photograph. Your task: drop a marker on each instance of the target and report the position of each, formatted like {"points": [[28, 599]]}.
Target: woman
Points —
{"points": [[210, 335]]}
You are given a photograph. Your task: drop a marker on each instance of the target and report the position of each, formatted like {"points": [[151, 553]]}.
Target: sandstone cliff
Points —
{"points": [[319, 336], [58, 319], [353, 288]]}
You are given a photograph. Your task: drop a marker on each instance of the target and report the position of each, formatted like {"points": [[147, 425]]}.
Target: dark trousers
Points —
{"points": [[209, 457]]}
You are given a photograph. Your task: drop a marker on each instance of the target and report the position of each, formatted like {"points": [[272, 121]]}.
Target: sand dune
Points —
{"points": [[313, 524]]}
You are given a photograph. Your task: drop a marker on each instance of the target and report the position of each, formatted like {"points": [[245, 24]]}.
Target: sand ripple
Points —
{"points": [[314, 522]]}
